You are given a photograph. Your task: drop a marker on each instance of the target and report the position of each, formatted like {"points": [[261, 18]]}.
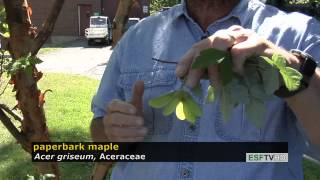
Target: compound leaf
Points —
{"points": [[208, 57], [279, 61], [211, 94], [291, 78], [226, 105], [270, 78], [171, 106], [256, 112], [225, 70], [191, 105], [180, 112], [161, 101]]}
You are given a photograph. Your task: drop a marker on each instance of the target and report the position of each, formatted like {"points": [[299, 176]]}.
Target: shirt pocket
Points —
{"points": [[156, 82], [238, 128]]}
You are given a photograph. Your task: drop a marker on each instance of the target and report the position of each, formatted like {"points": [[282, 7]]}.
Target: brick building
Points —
{"points": [[74, 17]]}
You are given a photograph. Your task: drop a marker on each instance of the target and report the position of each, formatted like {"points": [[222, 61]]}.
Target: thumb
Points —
{"points": [[137, 95]]}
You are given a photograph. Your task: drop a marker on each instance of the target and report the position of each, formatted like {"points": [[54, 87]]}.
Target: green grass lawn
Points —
{"points": [[68, 117], [49, 48]]}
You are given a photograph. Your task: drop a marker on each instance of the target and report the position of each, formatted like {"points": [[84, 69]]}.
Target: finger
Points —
{"points": [[235, 28], [127, 132], [241, 35], [241, 51], [213, 74], [194, 77], [223, 40], [119, 119], [185, 63], [121, 106], [137, 96]]}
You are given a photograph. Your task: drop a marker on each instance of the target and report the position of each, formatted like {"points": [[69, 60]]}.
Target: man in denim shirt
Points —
{"points": [[151, 50]]}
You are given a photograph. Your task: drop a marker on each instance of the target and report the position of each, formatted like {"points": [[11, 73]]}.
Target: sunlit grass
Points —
{"points": [[68, 117]]}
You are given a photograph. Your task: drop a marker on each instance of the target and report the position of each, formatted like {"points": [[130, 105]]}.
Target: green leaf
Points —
{"points": [[171, 106], [256, 90], [180, 111], [239, 93], [251, 76], [211, 94], [6, 34], [192, 105], [35, 60], [225, 70], [208, 57], [279, 61], [256, 112], [186, 108], [226, 105], [291, 78], [270, 78], [268, 60], [161, 101], [189, 112]]}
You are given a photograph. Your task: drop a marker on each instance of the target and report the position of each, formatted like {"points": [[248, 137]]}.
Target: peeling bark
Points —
{"points": [[24, 40]]}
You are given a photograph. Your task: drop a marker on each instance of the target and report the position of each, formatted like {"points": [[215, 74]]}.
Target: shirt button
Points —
{"points": [[185, 173]]}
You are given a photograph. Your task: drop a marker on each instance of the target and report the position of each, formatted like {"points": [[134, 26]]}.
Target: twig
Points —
{"points": [[5, 87], [13, 130], [12, 113]]}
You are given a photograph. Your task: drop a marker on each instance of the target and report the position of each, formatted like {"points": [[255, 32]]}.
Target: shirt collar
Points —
{"points": [[242, 11]]}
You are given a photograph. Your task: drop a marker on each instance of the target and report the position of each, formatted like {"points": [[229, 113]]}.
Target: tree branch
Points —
{"points": [[13, 130], [120, 20], [48, 26], [9, 111]]}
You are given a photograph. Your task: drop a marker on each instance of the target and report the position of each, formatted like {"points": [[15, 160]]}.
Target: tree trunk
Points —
{"points": [[120, 20], [25, 40]]}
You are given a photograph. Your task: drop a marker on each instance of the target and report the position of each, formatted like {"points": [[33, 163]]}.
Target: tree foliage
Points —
{"points": [[4, 29], [157, 5], [309, 7]]}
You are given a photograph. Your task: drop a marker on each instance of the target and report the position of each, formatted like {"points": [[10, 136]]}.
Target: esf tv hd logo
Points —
{"points": [[266, 157]]}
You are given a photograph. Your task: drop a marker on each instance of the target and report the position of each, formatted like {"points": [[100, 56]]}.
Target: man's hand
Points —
{"points": [[242, 44], [124, 121]]}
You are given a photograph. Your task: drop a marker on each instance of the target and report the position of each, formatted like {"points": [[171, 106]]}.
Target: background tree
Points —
{"points": [[23, 45], [309, 7], [121, 19], [157, 5], [123, 11]]}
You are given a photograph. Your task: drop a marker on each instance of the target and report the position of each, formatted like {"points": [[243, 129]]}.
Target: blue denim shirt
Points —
{"points": [[167, 36]]}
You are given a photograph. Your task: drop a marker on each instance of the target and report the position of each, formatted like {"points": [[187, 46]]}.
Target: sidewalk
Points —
{"points": [[77, 58]]}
